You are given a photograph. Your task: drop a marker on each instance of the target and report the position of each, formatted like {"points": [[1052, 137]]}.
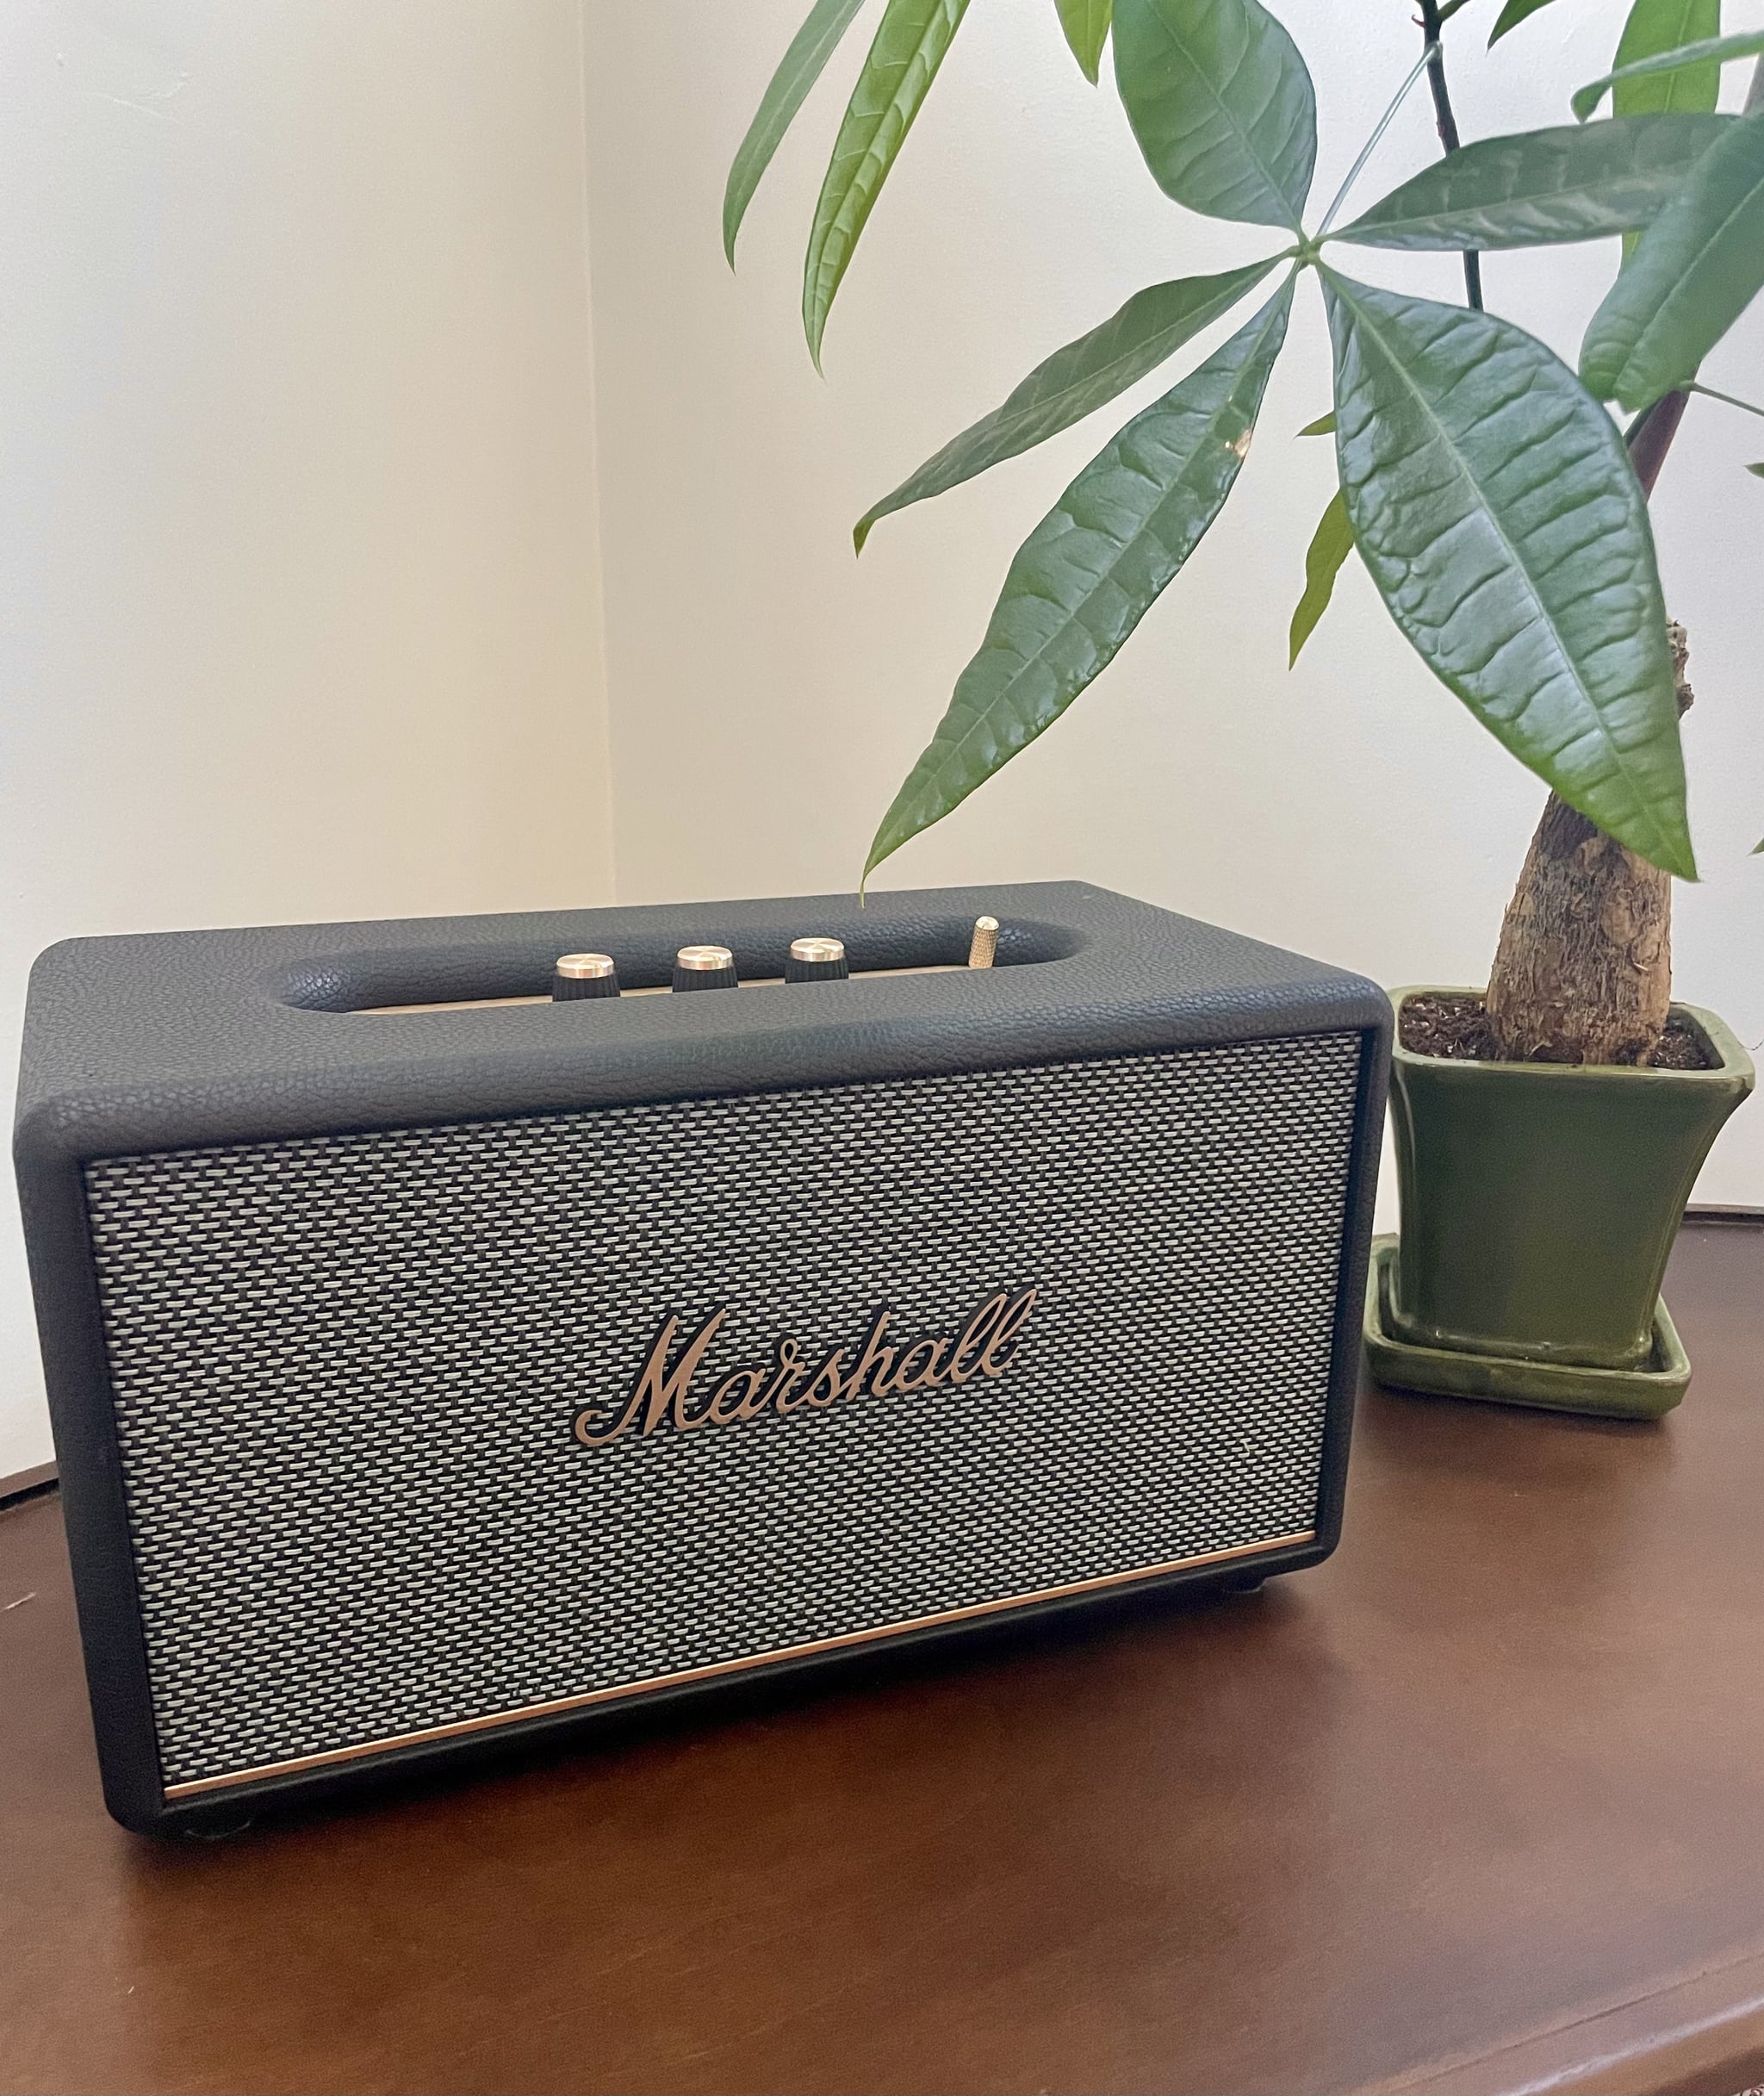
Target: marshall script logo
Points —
{"points": [[986, 1345]]}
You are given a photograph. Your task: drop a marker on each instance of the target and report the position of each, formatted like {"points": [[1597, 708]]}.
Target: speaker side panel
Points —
{"points": [[82, 1411]]}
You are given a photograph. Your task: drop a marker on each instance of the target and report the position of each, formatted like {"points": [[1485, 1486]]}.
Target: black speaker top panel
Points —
{"points": [[144, 1041]]}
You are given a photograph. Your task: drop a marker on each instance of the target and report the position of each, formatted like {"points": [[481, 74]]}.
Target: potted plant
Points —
{"points": [[1548, 1126]]}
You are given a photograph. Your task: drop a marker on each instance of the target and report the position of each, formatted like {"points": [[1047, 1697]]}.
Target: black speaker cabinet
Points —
{"points": [[431, 1363]]}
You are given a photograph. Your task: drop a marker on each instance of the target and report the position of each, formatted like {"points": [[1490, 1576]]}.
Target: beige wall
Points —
{"points": [[769, 691], [299, 608]]}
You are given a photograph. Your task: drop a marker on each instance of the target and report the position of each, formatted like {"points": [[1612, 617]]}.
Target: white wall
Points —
{"points": [[769, 691], [300, 570], [298, 609]]}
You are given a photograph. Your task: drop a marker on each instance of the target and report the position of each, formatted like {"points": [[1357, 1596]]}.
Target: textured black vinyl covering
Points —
{"points": [[169, 1040], [163, 1039]]}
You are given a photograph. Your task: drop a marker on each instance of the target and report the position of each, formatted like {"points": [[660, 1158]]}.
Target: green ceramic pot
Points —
{"points": [[1540, 1200]]}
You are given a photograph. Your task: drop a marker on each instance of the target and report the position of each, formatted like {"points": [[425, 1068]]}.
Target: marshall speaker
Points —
{"points": [[434, 1362]]}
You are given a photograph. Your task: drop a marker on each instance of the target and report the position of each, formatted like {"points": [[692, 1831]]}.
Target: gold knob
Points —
{"points": [[578, 975], [705, 968], [815, 960]]}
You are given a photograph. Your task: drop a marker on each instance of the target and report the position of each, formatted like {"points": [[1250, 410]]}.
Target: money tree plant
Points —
{"points": [[1500, 512]]}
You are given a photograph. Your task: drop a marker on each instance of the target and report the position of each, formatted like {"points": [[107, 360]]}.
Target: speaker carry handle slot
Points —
{"points": [[397, 983]]}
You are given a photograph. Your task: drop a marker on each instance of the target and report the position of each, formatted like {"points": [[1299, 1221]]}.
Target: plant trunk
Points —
{"points": [[1583, 972]]}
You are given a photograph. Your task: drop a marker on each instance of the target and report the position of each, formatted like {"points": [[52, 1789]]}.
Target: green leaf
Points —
{"points": [[1076, 381], [1511, 15], [1572, 182], [1331, 544], [1655, 26], [1694, 271], [1716, 50], [1221, 104], [910, 41], [1758, 469], [1086, 26], [798, 70], [1495, 508], [1088, 573], [1323, 427]]}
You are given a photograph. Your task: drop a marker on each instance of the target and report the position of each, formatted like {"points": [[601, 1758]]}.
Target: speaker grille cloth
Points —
{"points": [[346, 1367]]}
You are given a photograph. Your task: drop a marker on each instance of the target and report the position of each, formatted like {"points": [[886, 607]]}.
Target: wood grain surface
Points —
{"points": [[1478, 1806]]}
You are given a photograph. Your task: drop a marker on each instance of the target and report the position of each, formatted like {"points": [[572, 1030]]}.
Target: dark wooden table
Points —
{"points": [[1477, 1805]]}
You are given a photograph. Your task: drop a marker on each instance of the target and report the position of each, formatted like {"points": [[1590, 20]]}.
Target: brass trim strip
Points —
{"points": [[508, 1003], [726, 1666]]}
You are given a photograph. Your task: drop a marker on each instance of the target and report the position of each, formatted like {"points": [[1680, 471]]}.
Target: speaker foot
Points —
{"points": [[218, 1829]]}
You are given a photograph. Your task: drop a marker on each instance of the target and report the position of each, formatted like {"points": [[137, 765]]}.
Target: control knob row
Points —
{"points": [[712, 967], [697, 968]]}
